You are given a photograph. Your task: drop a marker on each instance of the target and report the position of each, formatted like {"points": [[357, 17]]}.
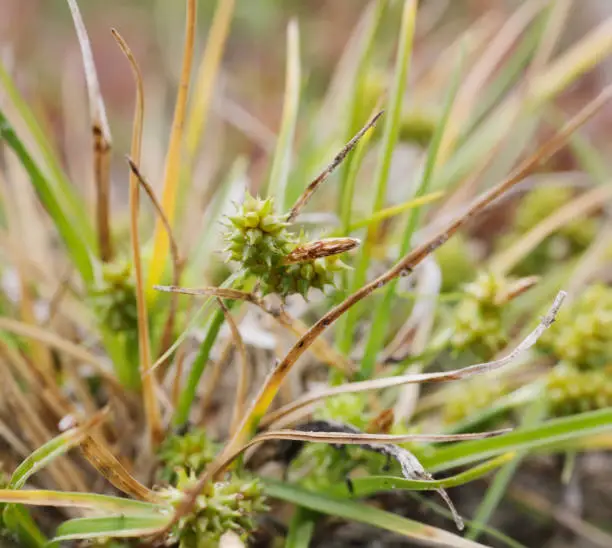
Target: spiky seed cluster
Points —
{"points": [[582, 334], [472, 396], [571, 391], [260, 242], [477, 318], [189, 453], [229, 505], [115, 297]]}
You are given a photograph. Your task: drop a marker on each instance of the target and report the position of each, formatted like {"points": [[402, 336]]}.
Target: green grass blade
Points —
{"points": [[64, 190], [67, 227], [445, 512], [496, 491], [388, 144], [541, 436], [90, 501], [387, 213], [47, 453], [301, 528], [115, 526], [364, 487], [378, 331], [17, 520], [284, 146], [364, 513], [356, 116], [188, 393]]}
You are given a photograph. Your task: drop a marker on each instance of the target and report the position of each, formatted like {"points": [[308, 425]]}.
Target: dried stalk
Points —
{"points": [[177, 261], [322, 177], [102, 141], [149, 384], [173, 156], [444, 376], [320, 348], [242, 369]]}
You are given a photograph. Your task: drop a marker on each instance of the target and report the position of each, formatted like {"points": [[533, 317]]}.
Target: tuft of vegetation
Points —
{"points": [[339, 302]]}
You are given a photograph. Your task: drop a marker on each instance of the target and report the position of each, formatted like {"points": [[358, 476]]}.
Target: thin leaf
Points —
{"points": [[108, 466], [242, 365], [370, 485], [66, 226], [173, 156], [148, 381], [322, 177], [388, 382], [51, 450], [301, 528], [102, 141], [392, 211], [388, 144], [379, 328], [284, 147], [207, 75], [90, 501], [63, 189], [18, 521], [364, 513], [116, 526], [188, 394], [542, 436]]}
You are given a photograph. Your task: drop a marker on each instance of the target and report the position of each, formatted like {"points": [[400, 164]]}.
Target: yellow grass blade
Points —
{"points": [[149, 382], [173, 156]]}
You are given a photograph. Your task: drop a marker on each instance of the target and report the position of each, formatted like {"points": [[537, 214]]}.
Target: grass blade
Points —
{"points": [[51, 450], [148, 381], [364, 487], [281, 163], [115, 526], [207, 75], [363, 513], [541, 436], [301, 528], [382, 312], [63, 189], [389, 142], [188, 394], [17, 520], [173, 156], [66, 226], [102, 141], [90, 501], [107, 464]]}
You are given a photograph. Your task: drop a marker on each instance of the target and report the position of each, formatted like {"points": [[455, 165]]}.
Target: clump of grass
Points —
{"points": [[191, 478]]}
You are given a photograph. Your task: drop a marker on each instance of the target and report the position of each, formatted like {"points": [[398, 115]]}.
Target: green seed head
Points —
{"points": [[259, 241], [229, 505], [582, 334]]}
